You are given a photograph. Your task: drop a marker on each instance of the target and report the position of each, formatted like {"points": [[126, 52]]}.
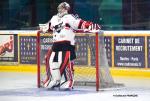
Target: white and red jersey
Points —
{"points": [[63, 28]]}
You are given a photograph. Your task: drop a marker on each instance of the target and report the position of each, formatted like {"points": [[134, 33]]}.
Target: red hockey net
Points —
{"points": [[91, 66]]}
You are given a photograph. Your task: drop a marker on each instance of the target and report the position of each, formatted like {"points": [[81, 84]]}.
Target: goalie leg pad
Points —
{"points": [[67, 78], [55, 73], [67, 85], [55, 69], [46, 80]]}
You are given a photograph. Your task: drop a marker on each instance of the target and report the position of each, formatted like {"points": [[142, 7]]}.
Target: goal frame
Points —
{"points": [[97, 64]]}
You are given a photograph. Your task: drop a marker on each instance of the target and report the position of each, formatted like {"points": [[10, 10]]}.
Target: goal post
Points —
{"points": [[97, 60], [38, 59], [91, 66]]}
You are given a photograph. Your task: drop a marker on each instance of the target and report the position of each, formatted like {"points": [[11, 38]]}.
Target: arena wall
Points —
{"points": [[128, 52]]}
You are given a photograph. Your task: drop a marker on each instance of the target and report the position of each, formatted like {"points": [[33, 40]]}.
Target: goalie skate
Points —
{"points": [[67, 85], [46, 82]]}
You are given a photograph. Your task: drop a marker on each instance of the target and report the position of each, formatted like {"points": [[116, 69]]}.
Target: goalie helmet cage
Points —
{"points": [[91, 70]]}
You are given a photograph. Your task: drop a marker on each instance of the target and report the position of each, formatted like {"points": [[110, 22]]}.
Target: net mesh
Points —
{"points": [[84, 68]]}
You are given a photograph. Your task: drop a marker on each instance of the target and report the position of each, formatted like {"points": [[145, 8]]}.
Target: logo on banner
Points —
{"points": [[6, 46]]}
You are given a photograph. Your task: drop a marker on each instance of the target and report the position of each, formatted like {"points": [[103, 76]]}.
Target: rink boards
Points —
{"points": [[128, 52]]}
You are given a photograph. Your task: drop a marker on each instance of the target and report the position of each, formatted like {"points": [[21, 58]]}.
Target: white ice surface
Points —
{"points": [[22, 87]]}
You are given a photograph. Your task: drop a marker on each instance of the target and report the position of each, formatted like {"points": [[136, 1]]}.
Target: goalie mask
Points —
{"points": [[63, 9]]}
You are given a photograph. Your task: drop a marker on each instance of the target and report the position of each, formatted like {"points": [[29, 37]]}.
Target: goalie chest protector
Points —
{"points": [[63, 28]]}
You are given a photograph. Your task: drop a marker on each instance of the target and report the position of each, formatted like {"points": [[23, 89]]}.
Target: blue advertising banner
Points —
{"points": [[129, 51], [27, 49], [81, 50]]}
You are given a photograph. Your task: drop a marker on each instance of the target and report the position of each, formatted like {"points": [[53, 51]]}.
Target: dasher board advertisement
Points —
{"points": [[129, 51], [8, 48]]}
